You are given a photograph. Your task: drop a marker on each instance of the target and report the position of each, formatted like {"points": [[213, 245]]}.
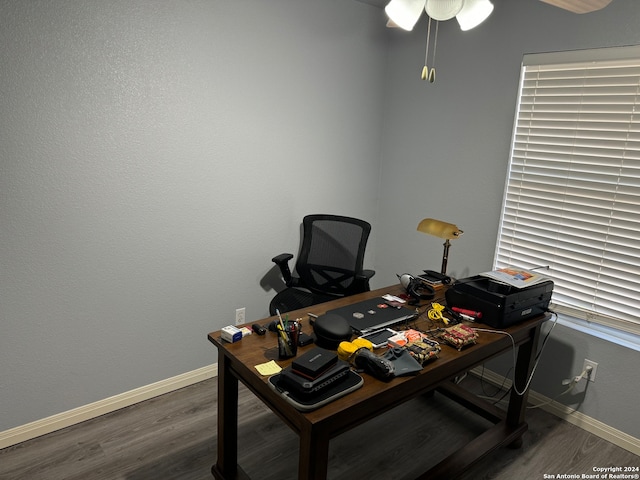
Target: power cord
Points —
{"points": [[572, 382], [501, 388], [586, 373], [513, 351]]}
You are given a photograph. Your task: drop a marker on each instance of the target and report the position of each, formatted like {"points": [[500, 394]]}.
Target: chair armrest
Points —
{"points": [[367, 274], [282, 261], [283, 258], [361, 283]]}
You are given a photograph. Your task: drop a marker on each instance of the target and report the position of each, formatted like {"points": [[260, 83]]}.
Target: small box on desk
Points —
{"points": [[501, 305], [314, 363], [231, 334]]}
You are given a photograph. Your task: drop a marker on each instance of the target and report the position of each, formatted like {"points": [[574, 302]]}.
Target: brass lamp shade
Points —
{"points": [[438, 228], [441, 229]]}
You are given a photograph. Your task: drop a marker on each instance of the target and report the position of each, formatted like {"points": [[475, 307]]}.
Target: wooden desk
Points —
{"points": [[236, 362]]}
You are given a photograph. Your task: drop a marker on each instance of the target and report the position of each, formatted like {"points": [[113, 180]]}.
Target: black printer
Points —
{"points": [[501, 305]]}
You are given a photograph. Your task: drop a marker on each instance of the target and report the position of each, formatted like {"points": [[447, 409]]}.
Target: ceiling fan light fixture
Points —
{"points": [[404, 13], [442, 10], [473, 13]]}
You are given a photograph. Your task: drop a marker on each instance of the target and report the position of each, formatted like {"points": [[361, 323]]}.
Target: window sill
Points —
{"points": [[619, 337]]}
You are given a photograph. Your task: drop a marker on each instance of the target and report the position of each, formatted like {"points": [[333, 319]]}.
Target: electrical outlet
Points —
{"points": [[240, 316], [594, 367]]}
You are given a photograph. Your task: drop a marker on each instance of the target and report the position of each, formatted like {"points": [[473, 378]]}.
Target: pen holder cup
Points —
{"points": [[288, 340]]}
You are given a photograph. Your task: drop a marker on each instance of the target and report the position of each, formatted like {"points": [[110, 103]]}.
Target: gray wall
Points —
{"points": [[445, 155], [155, 155]]}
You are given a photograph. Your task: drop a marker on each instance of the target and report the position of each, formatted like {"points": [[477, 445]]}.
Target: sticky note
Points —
{"points": [[269, 368]]}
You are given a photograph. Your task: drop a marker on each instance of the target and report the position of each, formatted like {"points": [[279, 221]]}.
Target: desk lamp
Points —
{"points": [[441, 229]]}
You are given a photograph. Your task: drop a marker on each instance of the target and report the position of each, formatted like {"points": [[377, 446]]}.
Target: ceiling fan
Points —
{"points": [[469, 14], [579, 6], [576, 6]]}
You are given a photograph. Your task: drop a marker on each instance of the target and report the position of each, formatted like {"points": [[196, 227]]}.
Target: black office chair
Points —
{"points": [[329, 264]]}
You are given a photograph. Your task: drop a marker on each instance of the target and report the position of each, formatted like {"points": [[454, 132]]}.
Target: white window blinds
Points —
{"points": [[572, 197]]}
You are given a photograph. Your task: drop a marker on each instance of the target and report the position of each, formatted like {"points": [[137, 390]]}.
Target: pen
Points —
{"points": [[283, 333], [470, 313], [285, 340], [456, 316], [280, 318]]}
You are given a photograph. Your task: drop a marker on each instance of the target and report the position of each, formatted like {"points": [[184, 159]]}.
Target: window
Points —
{"points": [[572, 196]]}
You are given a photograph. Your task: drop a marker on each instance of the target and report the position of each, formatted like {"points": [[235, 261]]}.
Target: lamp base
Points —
{"points": [[445, 256]]}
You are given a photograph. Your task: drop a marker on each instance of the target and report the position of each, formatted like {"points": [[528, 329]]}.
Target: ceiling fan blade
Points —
{"points": [[579, 6]]}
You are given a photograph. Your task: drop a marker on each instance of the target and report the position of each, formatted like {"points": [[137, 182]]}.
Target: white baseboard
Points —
{"points": [[35, 429], [66, 419], [579, 419]]}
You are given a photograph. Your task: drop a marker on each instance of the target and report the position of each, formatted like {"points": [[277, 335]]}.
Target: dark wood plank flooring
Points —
{"points": [[174, 436]]}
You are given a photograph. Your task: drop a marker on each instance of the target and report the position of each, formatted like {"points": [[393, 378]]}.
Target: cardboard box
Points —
{"points": [[231, 334]]}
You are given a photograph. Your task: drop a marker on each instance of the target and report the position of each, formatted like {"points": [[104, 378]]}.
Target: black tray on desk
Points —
{"points": [[352, 382]]}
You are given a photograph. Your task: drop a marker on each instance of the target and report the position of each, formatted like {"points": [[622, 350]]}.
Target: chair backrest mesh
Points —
{"points": [[332, 252]]}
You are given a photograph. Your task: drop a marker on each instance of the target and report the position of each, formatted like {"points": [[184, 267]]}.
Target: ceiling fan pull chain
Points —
{"points": [[425, 69], [432, 72]]}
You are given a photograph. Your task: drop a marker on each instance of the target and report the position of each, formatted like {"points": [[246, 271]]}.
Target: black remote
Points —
{"points": [[259, 329]]}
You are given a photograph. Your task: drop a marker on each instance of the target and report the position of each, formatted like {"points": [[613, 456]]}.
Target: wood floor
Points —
{"points": [[174, 437]]}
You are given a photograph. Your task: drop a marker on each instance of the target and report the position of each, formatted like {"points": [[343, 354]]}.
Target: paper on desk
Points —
{"points": [[269, 368]]}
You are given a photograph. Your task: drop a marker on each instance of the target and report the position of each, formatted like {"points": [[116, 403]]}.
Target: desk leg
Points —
{"points": [[314, 455], [506, 432], [524, 366], [226, 466]]}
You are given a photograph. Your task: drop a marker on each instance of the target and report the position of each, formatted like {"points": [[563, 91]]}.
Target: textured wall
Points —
{"points": [[154, 156], [446, 148]]}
